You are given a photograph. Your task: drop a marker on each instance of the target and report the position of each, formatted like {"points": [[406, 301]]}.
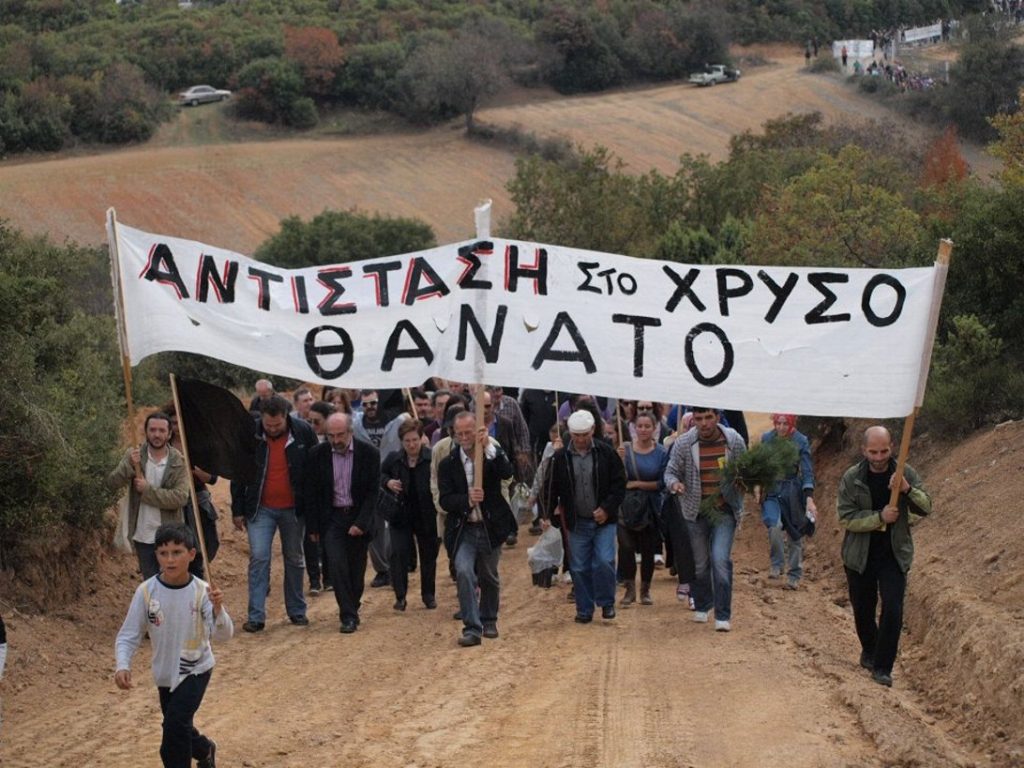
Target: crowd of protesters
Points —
{"points": [[389, 477]]}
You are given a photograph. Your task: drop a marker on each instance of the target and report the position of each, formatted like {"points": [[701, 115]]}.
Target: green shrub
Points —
{"points": [[825, 63], [302, 114], [971, 383], [62, 405]]}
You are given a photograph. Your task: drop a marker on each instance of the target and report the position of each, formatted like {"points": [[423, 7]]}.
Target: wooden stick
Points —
{"points": [[478, 456], [945, 252], [411, 403], [196, 511], [122, 331], [618, 421]]}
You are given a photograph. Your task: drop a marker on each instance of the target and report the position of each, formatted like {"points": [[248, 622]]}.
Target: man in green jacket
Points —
{"points": [[157, 488], [877, 548]]}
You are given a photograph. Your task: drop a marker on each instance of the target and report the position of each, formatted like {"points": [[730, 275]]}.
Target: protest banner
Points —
{"points": [[826, 342]]}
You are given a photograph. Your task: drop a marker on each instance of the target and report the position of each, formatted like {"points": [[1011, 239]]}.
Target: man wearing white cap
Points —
{"points": [[589, 483]]}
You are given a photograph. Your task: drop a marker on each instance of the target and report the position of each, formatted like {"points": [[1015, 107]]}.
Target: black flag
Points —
{"points": [[221, 433]]}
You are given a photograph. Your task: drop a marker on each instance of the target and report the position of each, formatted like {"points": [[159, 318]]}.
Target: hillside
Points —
{"points": [[234, 194]]}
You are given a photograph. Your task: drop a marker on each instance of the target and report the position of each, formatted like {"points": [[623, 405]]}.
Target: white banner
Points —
{"points": [[932, 31], [855, 49], [829, 342]]}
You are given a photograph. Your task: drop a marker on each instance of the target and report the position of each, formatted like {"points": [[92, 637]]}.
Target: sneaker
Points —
{"points": [[691, 603], [792, 583], [882, 678], [659, 561], [774, 573], [490, 631], [253, 626], [701, 617], [683, 593], [722, 626], [314, 591], [210, 761], [382, 579]]}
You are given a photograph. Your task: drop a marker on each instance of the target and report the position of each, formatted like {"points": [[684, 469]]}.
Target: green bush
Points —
{"points": [[972, 383], [62, 405], [302, 114], [825, 63], [336, 237]]}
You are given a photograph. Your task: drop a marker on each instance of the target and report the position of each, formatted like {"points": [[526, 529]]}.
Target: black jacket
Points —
{"points": [[609, 482], [454, 496], [245, 498], [365, 486], [422, 519], [538, 407]]}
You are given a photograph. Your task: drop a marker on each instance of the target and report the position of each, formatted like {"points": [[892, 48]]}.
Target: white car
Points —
{"points": [[715, 73], [199, 94]]}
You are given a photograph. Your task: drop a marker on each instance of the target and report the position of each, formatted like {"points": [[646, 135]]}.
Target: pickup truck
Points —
{"points": [[715, 73]]}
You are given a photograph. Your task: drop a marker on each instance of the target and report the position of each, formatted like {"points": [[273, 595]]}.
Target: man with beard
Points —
{"points": [[275, 503], [158, 488]]}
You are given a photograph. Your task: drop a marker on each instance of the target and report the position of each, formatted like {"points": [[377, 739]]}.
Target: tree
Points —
{"points": [[317, 55], [838, 213], [445, 78], [336, 237], [267, 88]]}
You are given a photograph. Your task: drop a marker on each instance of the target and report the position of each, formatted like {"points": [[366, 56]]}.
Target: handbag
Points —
{"points": [[635, 512], [390, 506]]}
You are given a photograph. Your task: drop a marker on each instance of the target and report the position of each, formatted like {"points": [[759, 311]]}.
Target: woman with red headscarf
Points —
{"points": [[789, 507]]}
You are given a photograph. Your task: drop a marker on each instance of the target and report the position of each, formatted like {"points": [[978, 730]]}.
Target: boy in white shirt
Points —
{"points": [[182, 614]]}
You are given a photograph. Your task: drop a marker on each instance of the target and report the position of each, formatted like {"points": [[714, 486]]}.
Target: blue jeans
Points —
{"points": [[771, 515], [261, 536], [476, 564], [592, 564], [712, 563]]}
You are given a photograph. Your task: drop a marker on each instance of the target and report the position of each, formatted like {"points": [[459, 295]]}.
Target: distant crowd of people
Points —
{"points": [[389, 479]]}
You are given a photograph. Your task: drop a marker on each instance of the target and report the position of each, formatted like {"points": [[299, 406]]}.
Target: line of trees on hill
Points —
{"points": [[798, 193], [98, 71]]}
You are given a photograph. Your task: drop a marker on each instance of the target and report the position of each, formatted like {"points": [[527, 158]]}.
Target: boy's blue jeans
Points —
{"points": [[182, 743], [712, 561]]}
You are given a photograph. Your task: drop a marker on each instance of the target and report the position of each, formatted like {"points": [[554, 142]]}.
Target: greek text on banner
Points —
{"points": [[828, 342]]}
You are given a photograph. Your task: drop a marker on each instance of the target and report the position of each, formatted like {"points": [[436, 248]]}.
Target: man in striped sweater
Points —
{"points": [[695, 473]]}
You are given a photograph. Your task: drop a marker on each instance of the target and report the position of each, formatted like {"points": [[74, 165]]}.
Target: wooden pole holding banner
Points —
{"points": [[122, 331], [945, 252], [196, 511], [411, 403], [478, 455]]}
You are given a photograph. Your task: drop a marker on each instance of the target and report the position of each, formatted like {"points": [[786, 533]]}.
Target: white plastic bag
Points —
{"points": [[122, 539], [547, 552], [520, 503]]}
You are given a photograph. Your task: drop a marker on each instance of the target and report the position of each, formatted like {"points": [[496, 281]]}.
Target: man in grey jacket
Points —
{"points": [[695, 473]]}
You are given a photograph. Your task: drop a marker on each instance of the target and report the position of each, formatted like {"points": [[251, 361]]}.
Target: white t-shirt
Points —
{"points": [[180, 623], [149, 516]]}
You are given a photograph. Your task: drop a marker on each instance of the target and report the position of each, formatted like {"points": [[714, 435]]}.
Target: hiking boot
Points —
{"points": [[608, 612], [468, 640], [645, 593], [630, 597], [210, 761], [299, 621], [400, 604], [867, 660], [490, 631], [882, 678], [582, 618], [253, 626], [774, 573], [429, 602]]}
